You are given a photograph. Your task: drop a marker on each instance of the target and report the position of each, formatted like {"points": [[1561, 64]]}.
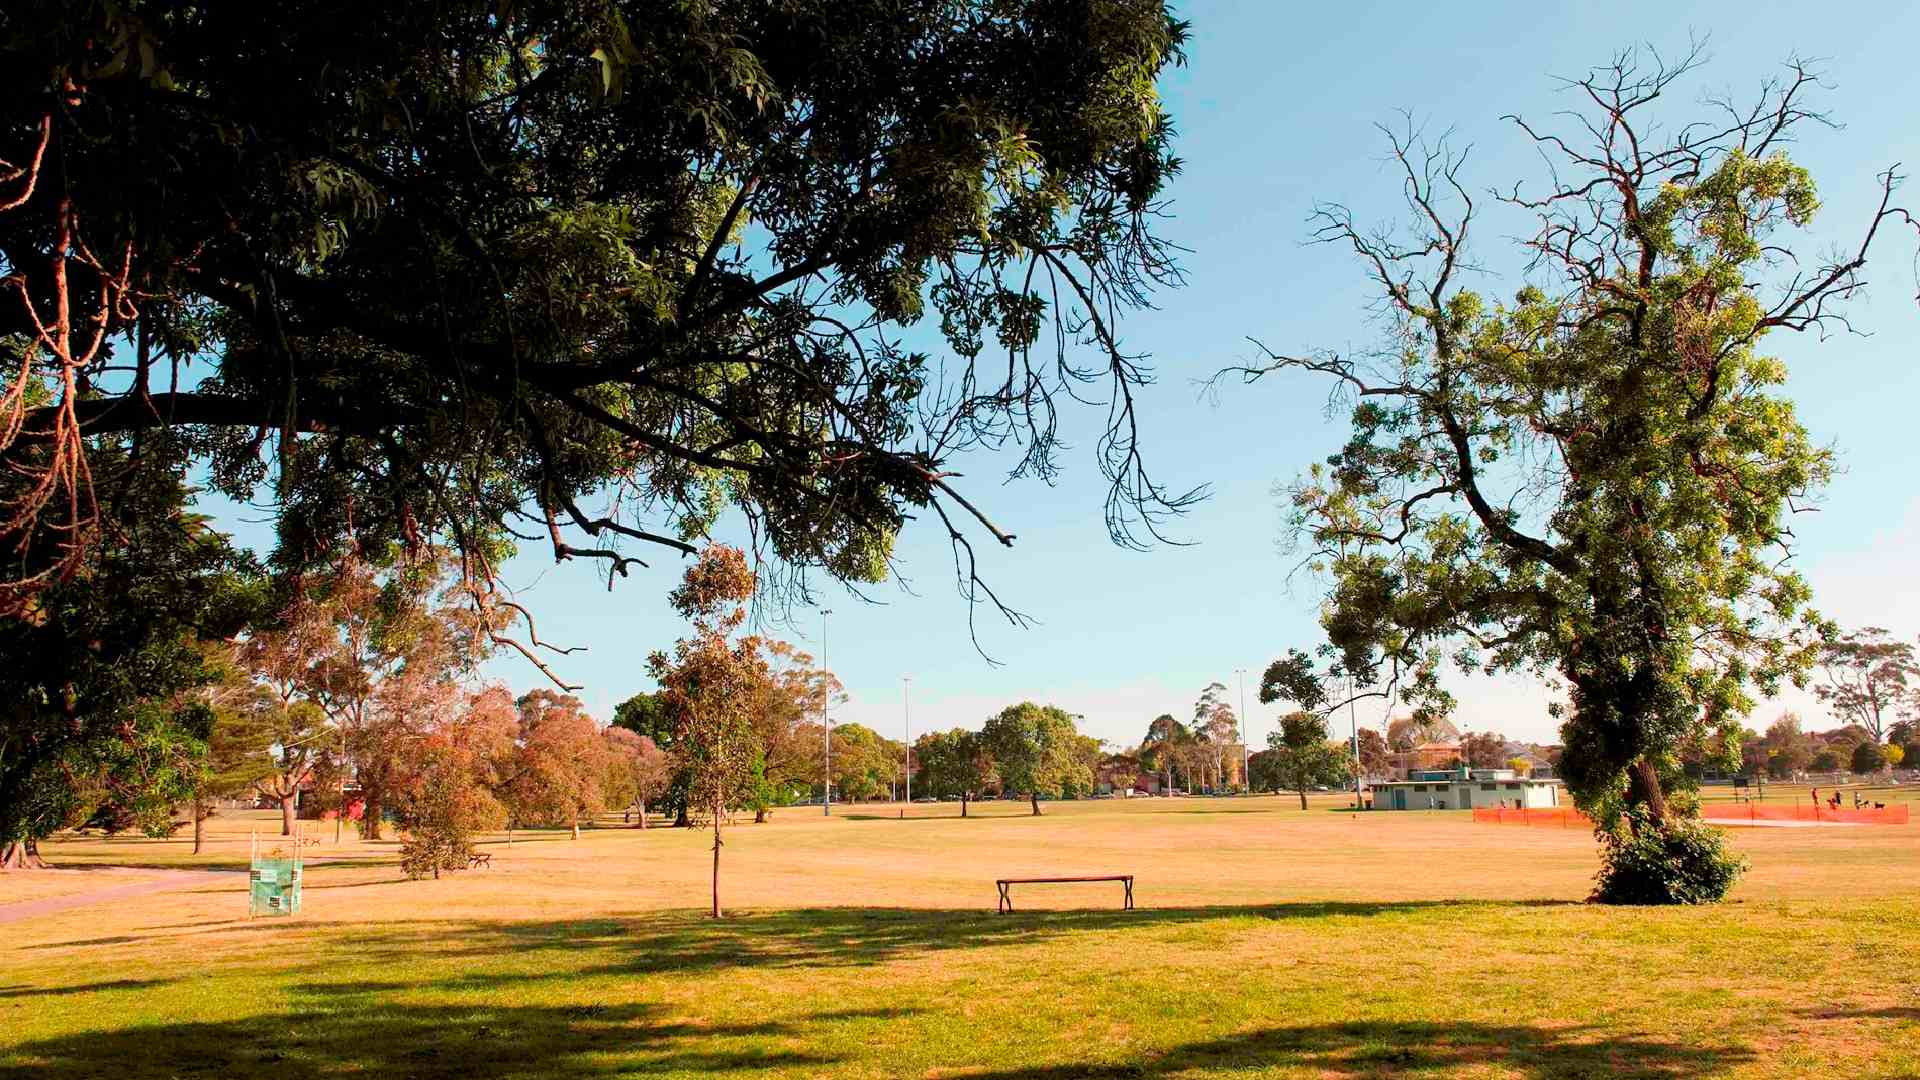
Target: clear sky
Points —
{"points": [[1276, 110]]}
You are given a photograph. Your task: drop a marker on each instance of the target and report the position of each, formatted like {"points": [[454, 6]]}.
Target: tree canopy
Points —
{"points": [[1592, 478], [1034, 749], [588, 274]]}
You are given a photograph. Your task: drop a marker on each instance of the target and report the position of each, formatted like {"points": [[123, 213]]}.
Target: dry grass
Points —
{"points": [[1269, 942]]}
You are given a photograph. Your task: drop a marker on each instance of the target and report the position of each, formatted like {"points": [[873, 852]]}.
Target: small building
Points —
{"points": [[1463, 789]]}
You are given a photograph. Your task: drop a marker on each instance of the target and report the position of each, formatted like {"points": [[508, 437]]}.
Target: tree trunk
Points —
{"points": [[1035, 796], [1643, 789], [716, 859], [643, 813], [1303, 798], [963, 804], [199, 825], [759, 815], [286, 812], [680, 820], [22, 855], [370, 812], [576, 828]]}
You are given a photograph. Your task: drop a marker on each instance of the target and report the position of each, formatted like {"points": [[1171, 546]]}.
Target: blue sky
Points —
{"points": [[1276, 110]]}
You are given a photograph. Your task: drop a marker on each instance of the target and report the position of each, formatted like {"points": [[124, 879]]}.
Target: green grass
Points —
{"points": [[1272, 943]]}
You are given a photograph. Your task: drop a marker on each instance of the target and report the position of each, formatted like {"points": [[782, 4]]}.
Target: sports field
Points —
{"points": [[1268, 942]]}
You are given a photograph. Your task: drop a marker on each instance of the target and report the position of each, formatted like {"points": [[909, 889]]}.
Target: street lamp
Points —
{"points": [[906, 719], [1246, 755], [826, 725]]}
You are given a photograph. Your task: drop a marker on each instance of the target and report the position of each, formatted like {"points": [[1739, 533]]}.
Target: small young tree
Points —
{"points": [[1033, 747], [708, 684]]}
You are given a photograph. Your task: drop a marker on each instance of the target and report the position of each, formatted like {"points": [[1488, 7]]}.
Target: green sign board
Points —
{"points": [[275, 887]]}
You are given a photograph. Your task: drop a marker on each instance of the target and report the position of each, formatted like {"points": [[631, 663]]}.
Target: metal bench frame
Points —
{"points": [[1006, 898]]}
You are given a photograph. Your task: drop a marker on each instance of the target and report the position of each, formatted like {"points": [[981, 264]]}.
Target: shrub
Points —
{"points": [[1683, 862]]}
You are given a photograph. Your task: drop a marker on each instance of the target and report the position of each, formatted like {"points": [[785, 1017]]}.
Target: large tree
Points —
{"points": [[1869, 676], [92, 685], [587, 271], [1592, 478], [562, 766], [1165, 747], [955, 764], [1033, 747]]}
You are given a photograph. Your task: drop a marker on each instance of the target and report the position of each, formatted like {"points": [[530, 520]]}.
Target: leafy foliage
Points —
{"points": [[955, 764], [1680, 861], [94, 693], [1300, 756], [1033, 749], [592, 271], [1591, 478], [1869, 676]]}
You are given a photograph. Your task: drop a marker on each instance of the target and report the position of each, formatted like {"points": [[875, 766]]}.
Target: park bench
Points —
{"points": [[1006, 900], [481, 858]]}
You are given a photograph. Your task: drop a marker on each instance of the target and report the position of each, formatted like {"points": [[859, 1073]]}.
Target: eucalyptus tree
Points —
{"points": [[1592, 478], [1869, 676], [584, 273]]}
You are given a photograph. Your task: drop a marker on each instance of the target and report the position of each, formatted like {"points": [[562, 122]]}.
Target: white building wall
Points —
{"points": [[1466, 794]]}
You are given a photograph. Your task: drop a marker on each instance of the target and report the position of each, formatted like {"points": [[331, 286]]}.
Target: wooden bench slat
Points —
{"points": [[1049, 880]]}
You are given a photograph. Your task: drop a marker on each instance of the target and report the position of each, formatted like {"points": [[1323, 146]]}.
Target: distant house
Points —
{"points": [[1462, 789]]}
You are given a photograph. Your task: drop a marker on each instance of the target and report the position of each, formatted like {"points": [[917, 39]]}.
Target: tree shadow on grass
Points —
{"points": [[352, 1029], [82, 988], [1390, 1048], [688, 943]]}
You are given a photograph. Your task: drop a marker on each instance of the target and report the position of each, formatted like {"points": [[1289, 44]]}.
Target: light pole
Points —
{"points": [[906, 719], [1246, 754], [1353, 724], [826, 725]]}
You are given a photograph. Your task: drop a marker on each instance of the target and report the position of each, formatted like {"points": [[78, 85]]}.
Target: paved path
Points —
{"points": [[166, 881]]}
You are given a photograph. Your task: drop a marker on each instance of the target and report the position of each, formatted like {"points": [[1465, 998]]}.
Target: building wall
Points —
{"points": [[1466, 794]]}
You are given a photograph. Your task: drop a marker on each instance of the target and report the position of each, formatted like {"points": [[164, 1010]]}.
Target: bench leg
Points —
{"points": [[1006, 901], [1129, 885]]}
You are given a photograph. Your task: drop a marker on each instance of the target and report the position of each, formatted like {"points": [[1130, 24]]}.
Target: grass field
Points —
{"points": [[1269, 942]]}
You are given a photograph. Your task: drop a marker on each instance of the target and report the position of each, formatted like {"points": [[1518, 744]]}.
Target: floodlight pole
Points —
{"points": [[1246, 755], [826, 725], [1354, 724], [906, 717]]}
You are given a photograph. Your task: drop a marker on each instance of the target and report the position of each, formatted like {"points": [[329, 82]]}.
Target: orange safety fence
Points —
{"points": [[1807, 811], [1545, 818]]}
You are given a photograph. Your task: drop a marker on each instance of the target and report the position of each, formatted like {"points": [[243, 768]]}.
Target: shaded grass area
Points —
{"points": [[1488, 988]]}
